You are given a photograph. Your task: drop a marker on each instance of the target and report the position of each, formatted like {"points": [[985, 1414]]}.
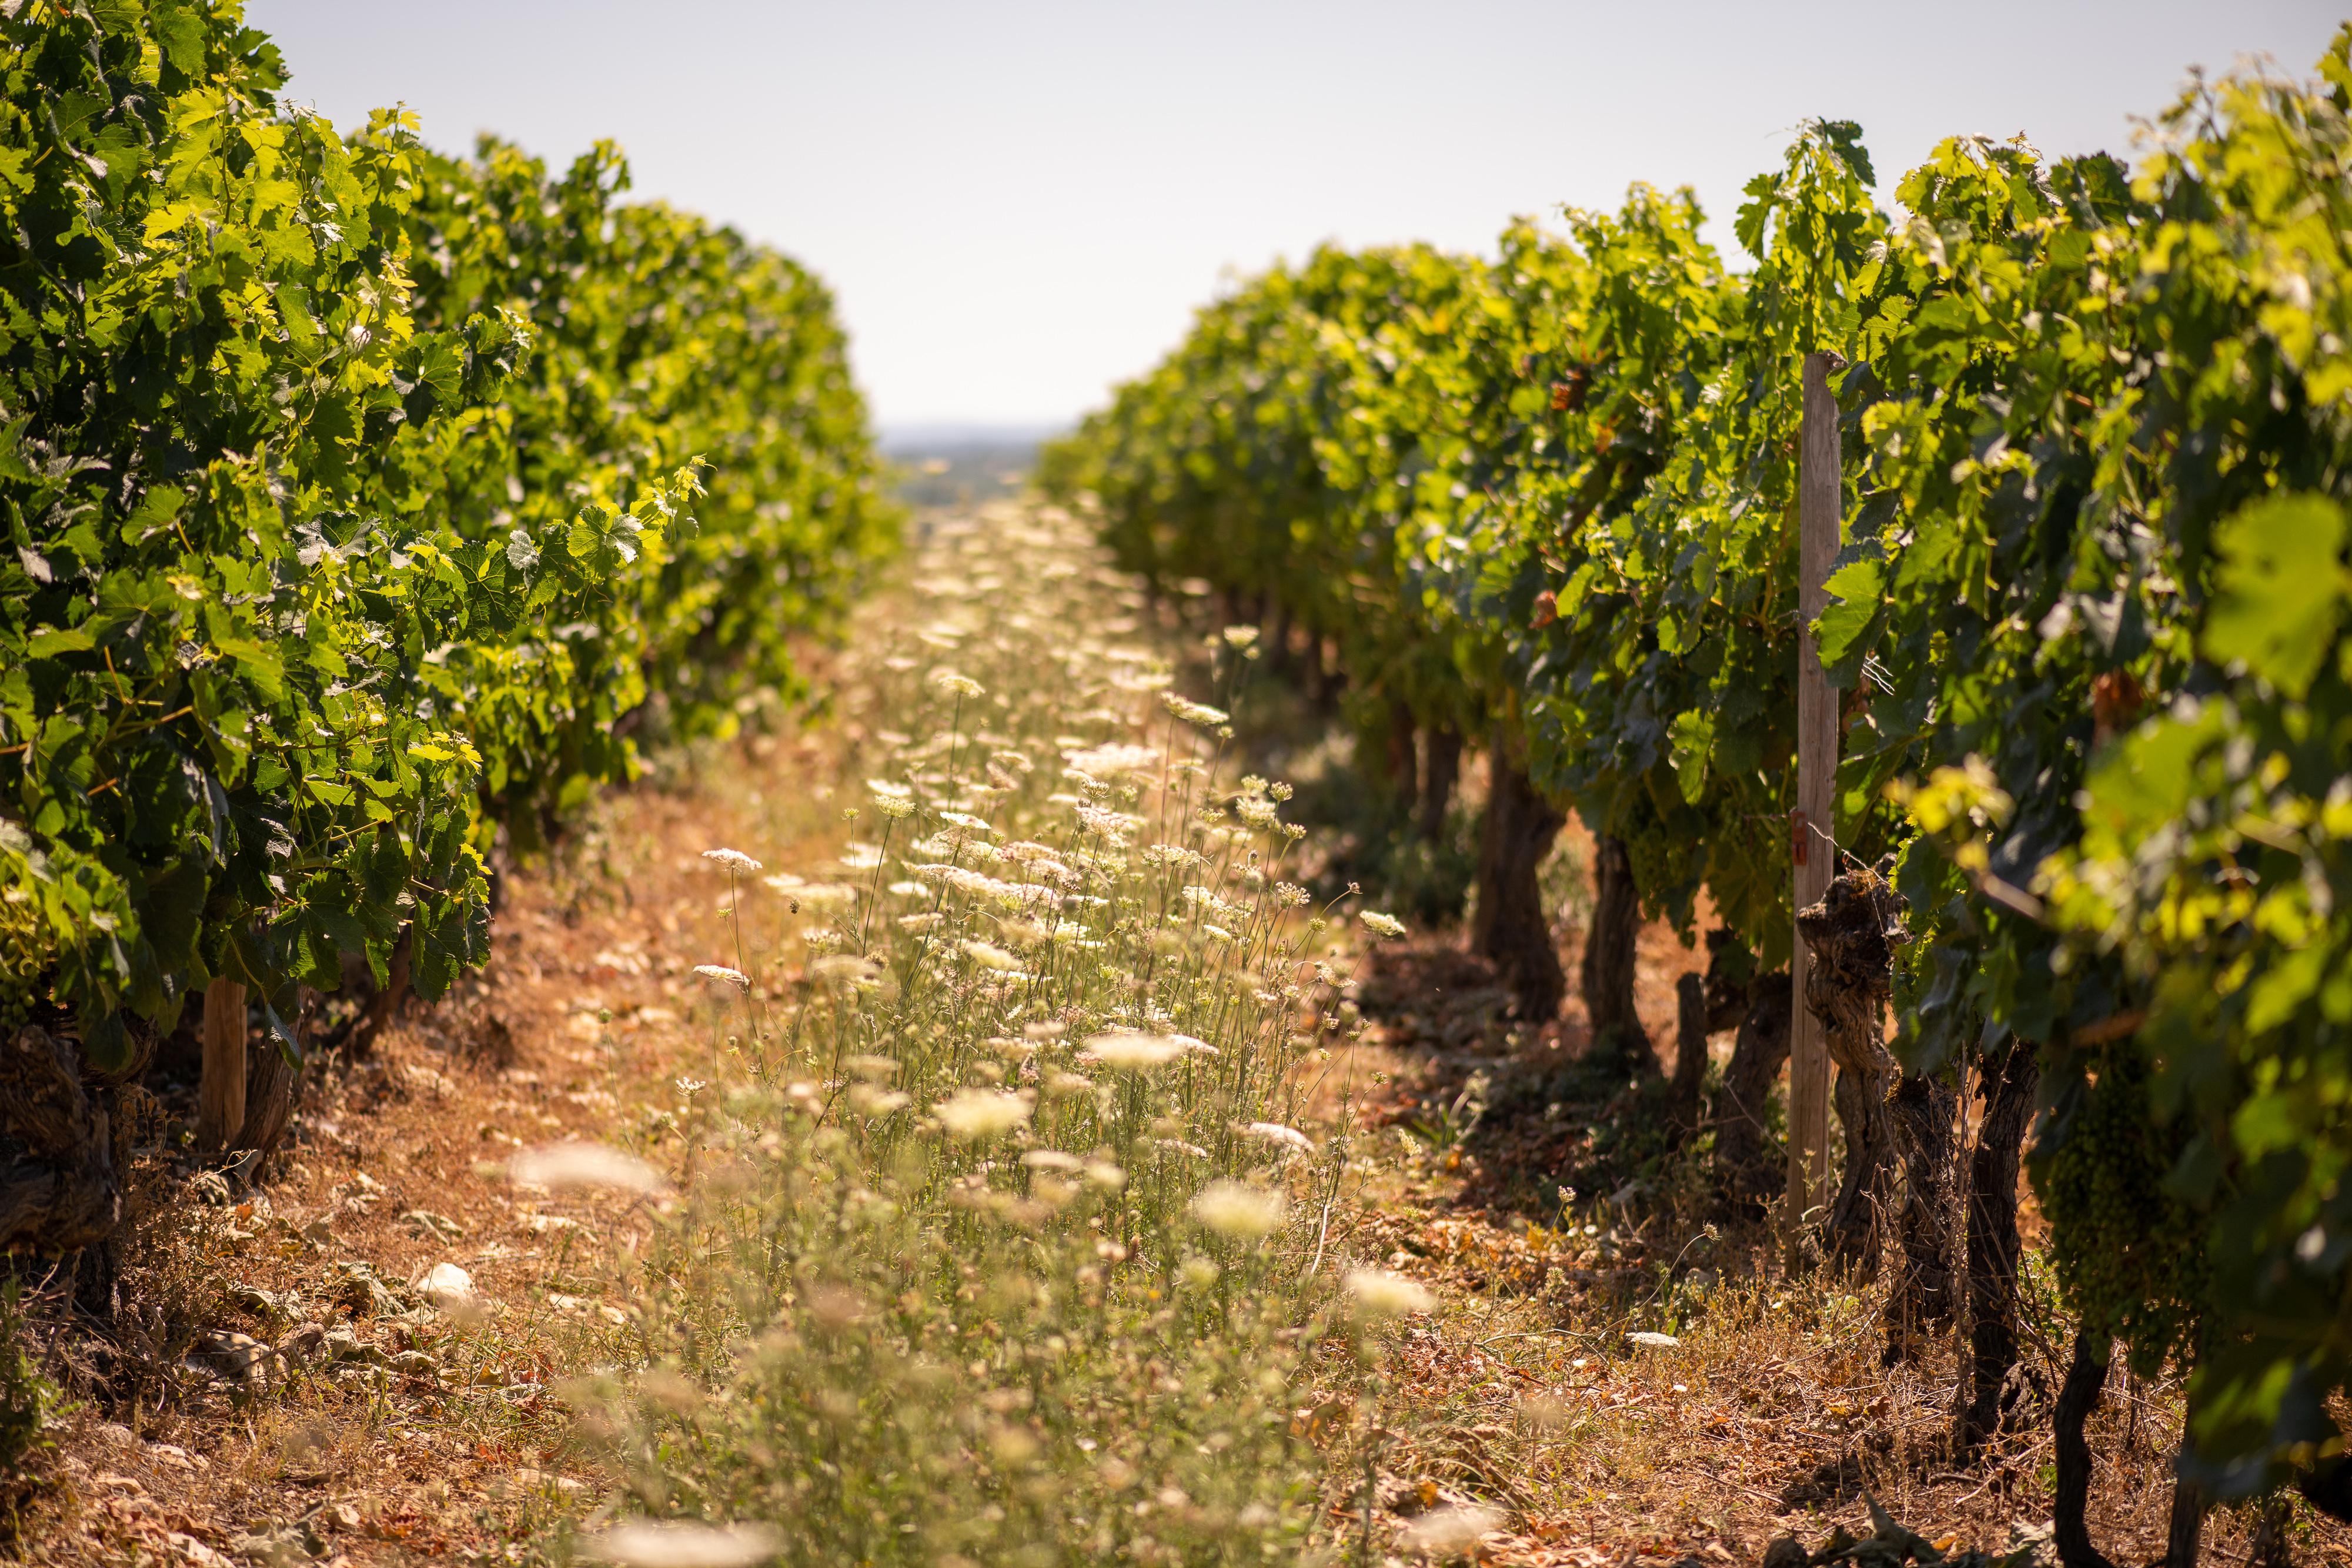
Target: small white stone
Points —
{"points": [[450, 1288], [1653, 1339]]}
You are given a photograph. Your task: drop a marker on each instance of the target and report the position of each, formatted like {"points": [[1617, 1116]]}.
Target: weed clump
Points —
{"points": [[29, 1401], [994, 1237]]}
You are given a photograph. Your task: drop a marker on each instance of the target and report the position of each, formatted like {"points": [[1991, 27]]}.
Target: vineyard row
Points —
{"points": [[2085, 621], [367, 507]]}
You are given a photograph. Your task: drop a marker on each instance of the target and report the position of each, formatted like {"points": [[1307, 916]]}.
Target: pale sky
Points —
{"points": [[1019, 205]]}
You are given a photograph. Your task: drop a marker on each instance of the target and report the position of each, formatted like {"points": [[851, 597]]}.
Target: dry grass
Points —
{"points": [[1772, 1415]]}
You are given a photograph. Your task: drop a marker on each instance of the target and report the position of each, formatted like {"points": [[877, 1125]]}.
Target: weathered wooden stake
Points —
{"points": [[220, 1095], [1818, 505]]}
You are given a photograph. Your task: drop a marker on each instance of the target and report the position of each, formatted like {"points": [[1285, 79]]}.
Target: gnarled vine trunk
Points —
{"points": [[1925, 1113], [2185, 1533], [1512, 929], [1441, 767], [58, 1189], [1401, 761], [1690, 1051], [1609, 947], [1993, 1392], [271, 1086], [1849, 937], [1749, 1167], [2077, 1397], [1850, 1236], [1275, 639]]}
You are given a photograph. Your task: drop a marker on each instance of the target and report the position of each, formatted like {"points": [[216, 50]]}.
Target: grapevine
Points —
{"points": [[276, 666], [2088, 620]]}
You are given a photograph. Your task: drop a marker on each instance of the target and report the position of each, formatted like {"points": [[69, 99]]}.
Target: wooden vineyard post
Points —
{"points": [[220, 1093], [1818, 504]]}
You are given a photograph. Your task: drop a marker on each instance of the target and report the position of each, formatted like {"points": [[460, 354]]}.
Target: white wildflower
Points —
{"points": [[894, 807], [575, 1165], [975, 1114], [1378, 1293], [1241, 636], [1134, 1052], [733, 859], [967, 821], [1113, 825], [1276, 1133], [979, 885], [961, 685], [867, 1101], [1052, 1160], [1443, 1533], [1380, 925], [1112, 761], [676, 1543], [735, 978], [1141, 680], [1237, 1210], [846, 969], [990, 956], [1191, 712], [1650, 1339]]}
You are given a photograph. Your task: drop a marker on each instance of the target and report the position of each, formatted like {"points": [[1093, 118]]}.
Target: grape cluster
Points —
{"points": [[2128, 1252], [24, 959], [1668, 860]]}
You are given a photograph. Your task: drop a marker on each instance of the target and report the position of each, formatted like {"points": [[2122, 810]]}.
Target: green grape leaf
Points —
{"points": [[2283, 588]]}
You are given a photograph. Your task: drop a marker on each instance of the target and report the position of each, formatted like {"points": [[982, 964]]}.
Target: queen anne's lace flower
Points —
{"points": [[990, 956], [1276, 1133], [974, 1115], [1237, 1210], [578, 1165], [1380, 1294], [1135, 1052], [1191, 712], [733, 859]]}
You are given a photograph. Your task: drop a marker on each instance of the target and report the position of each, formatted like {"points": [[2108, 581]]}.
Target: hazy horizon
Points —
{"points": [[1015, 208]]}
